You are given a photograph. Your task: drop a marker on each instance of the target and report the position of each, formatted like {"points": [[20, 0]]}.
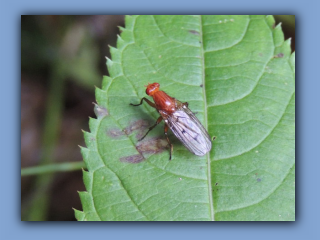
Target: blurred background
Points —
{"points": [[62, 60]]}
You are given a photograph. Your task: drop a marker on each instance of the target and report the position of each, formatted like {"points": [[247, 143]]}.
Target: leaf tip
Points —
{"points": [[279, 26], [119, 38], [100, 111], [79, 215], [121, 29], [109, 62], [288, 41]]}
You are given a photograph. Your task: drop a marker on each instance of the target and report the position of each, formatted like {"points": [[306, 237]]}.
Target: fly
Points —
{"points": [[180, 119]]}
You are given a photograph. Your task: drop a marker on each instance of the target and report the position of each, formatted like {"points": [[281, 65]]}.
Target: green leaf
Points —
{"points": [[237, 73]]}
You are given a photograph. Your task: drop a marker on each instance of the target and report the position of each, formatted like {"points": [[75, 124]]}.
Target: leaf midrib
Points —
{"points": [[206, 122]]}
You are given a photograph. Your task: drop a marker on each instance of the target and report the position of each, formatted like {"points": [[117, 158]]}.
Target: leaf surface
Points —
{"points": [[237, 74]]}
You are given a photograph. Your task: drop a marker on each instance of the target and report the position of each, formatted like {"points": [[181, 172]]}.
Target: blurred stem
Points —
{"points": [[39, 205], [69, 47], [50, 168]]}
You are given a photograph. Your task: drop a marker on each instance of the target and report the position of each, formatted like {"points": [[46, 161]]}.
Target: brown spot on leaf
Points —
{"points": [[151, 146], [194, 32], [137, 125], [114, 132], [140, 135], [201, 85], [279, 55], [132, 159]]}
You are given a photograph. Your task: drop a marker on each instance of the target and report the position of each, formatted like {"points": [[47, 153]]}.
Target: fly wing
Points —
{"points": [[188, 129]]}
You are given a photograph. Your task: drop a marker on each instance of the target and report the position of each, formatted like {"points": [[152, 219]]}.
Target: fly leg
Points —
{"points": [[152, 127], [147, 100], [170, 144]]}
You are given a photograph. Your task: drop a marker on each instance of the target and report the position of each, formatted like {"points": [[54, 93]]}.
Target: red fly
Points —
{"points": [[179, 118]]}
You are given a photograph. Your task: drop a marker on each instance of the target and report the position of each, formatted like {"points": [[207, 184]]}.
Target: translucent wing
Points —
{"points": [[188, 129]]}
